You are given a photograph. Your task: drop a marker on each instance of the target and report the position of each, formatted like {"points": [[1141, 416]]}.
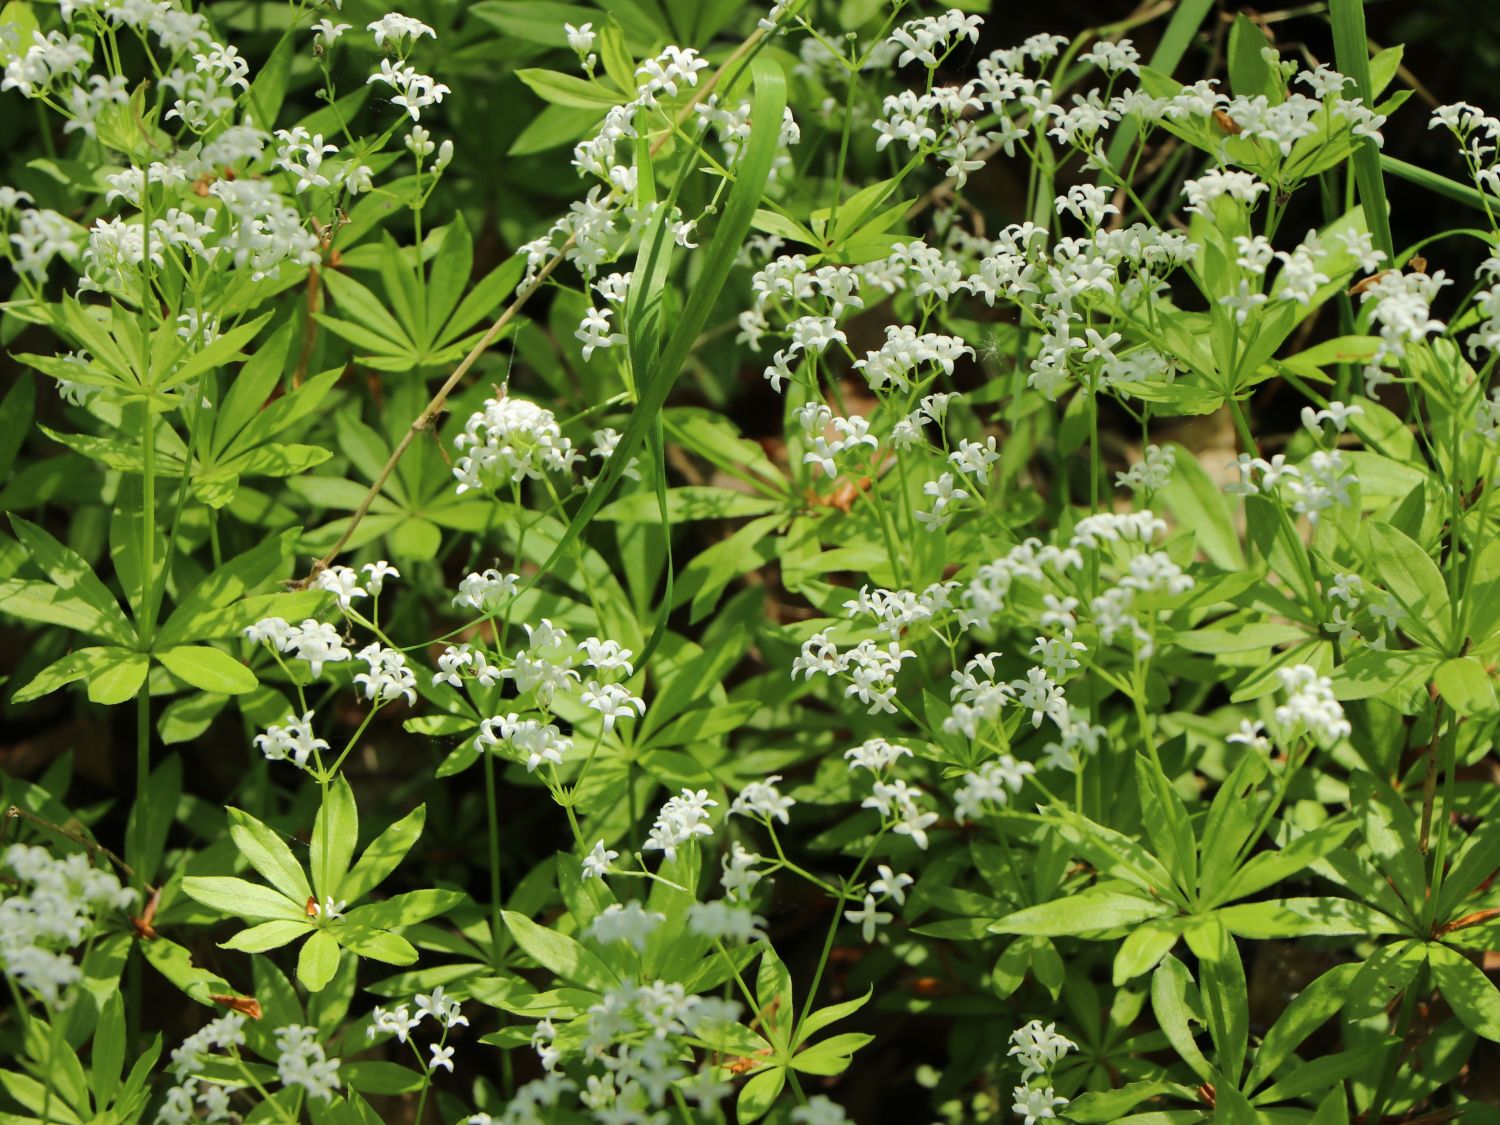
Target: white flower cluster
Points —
{"points": [[681, 819], [1310, 708], [399, 1021], [588, 236], [1038, 1049], [293, 740], [302, 1061], [722, 920], [313, 641], [992, 784], [628, 922], [638, 1044], [53, 913], [1319, 483], [922, 39], [870, 667], [898, 611], [761, 800], [1152, 473], [1401, 305], [534, 742], [389, 677], [509, 440], [193, 1099]]}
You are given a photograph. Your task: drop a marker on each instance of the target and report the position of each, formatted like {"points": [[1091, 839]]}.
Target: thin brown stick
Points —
{"points": [[17, 813], [435, 406]]}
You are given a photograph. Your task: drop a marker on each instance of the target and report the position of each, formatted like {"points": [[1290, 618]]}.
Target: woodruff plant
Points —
{"points": [[974, 693]]}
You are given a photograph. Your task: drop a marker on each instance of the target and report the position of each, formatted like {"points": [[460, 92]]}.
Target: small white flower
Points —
{"points": [[597, 862], [868, 918], [891, 885]]}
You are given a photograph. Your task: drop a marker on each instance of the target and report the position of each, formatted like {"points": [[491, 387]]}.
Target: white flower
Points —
{"points": [[595, 333], [763, 801], [388, 677], [1036, 1105], [294, 739], [1038, 1048], [739, 876], [343, 582], [721, 919], [580, 39], [597, 862], [890, 884], [301, 1061], [538, 742], [628, 922], [441, 1057], [1310, 706], [681, 819], [868, 917], [414, 91], [396, 27], [612, 701], [326, 32], [509, 440], [316, 643], [377, 573], [486, 591]]}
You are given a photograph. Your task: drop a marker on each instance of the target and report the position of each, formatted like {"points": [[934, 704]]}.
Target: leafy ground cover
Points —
{"points": [[903, 573]]}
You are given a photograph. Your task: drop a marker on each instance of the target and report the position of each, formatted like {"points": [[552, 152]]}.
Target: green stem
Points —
{"points": [[493, 811]]}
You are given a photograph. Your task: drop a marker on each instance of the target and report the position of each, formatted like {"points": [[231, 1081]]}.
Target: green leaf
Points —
{"points": [[1304, 917], [1352, 57], [209, 669], [385, 852], [198, 613], [1407, 571], [1308, 1011], [1474, 863], [568, 90], [223, 349], [1371, 672], [108, 1060], [558, 952], [1472, 995], [1466, 686], [318, 961], [1116, 854], [406, 909], [176, 964], [1090, 913], [369, 315], [759, 1094], [1167, 822], [372, 1076], [1226, 999], [241, 898], [1271, 867], [335, 832], [1200, 505], [1175, 1002], [378, 945], [1249, 73], [817, 1021], [450, 273], [1144, 947], [269, 855], [116, 675], [76, 579], [832, 1055], [268, 935]]}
